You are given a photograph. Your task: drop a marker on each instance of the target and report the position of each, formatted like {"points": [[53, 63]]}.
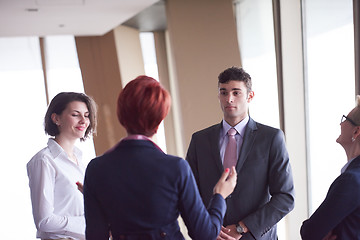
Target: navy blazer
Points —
{"points": [[137, 192], [340, 211], [264, 192]]}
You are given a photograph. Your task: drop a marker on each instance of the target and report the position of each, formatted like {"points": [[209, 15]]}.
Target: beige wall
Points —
{"points": [[193, 59], [100, 71], [129, 53], [203, 42], [107, 63]]}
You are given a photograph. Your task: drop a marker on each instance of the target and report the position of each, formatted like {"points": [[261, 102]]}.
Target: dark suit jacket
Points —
{"points": [[137, 191], [264, 192], [340, 211]]}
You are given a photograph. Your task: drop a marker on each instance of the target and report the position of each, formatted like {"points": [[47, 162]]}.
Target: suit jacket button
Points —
{"points": [[163, 234]]}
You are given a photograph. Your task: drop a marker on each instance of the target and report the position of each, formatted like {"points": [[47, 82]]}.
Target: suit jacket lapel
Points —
{"points": [[214, 145], [248, 141]]}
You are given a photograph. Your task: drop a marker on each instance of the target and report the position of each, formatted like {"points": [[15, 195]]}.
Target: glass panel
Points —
{"points": [[23, 106], [23, 103], [64, 75], [151, 69], [257, 48], [329, 61], [255, 26]]}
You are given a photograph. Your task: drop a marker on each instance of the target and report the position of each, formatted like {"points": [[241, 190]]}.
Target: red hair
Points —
{"points": [[142, 105]]}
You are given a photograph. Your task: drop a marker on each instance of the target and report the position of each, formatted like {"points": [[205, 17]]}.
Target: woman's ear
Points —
{"points": [[55, 119]]}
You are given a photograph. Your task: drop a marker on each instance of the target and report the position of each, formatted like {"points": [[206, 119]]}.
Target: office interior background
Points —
{"points": [[303, 57]]}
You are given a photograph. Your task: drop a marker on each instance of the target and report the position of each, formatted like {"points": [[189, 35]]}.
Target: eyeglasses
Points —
{"points": [[344, 118]]}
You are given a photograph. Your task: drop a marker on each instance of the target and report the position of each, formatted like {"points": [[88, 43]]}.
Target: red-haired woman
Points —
{"points": [[136, 191]]}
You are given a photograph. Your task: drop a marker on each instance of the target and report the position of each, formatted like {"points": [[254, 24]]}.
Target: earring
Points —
{"points": [[352, 139]]}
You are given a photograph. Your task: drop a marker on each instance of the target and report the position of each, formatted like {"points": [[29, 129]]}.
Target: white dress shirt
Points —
{"points": [[58, 206]]}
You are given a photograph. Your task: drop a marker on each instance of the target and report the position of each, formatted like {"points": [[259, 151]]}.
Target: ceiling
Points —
{"points": [[71, 17]]}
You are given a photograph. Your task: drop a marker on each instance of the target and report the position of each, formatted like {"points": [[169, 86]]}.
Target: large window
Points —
{"points": [[23, 103], [329, 64], [151, 69], [257, 48], [255, 26]]}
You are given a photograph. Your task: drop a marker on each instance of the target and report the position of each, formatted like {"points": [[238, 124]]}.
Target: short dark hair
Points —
{"points": [[59, 103], [235, 74], [142, 105]]}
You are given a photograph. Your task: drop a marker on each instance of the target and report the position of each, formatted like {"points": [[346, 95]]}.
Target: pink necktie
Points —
{"points": [[230, 151]]}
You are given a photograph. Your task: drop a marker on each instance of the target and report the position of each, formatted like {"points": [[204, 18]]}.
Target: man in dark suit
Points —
{"points": [[265, 192]]}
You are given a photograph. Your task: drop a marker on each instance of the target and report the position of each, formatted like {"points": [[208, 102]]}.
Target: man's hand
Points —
{"points": [[232, 231], [226, 233]]}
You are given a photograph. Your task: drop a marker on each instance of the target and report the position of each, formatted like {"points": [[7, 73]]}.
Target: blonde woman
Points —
{"points": [[338, 216]]}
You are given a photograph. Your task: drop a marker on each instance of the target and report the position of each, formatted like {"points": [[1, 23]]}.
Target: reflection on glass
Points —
{"points": [[329, 61]]}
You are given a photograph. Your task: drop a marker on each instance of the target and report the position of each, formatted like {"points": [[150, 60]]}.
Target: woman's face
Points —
{"points": [[73, 121], [347, 131]]}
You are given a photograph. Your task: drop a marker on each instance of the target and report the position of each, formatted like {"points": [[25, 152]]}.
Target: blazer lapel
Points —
{"points": [[214, 146], [248, 141]]}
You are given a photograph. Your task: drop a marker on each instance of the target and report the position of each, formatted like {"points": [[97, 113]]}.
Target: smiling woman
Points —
{"points": [[21, 75], [75, 108], [55, 170]]}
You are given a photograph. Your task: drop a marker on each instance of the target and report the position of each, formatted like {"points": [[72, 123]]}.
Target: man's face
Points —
{"points": [[234, 101]]}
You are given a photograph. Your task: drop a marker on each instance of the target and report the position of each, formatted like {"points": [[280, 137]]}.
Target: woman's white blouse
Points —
{"points": [[58, 206]]}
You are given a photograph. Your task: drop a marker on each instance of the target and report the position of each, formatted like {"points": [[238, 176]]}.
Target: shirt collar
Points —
{"points": [[346, 165], [240, 127], [56, 150]]}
